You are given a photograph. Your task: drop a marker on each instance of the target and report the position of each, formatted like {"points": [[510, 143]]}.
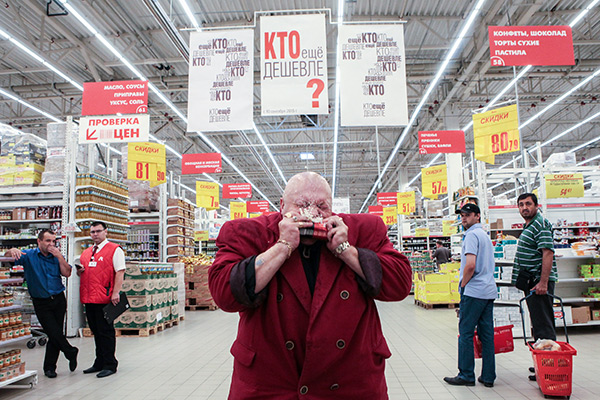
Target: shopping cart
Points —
{"points": [[553, 369]]}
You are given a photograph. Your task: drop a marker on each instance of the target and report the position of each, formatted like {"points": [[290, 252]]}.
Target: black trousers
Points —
{"points": [[104, 337], [542, 315], [51, 314]]}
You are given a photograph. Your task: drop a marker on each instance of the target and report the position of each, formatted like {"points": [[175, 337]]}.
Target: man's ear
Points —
{"points": [[281, 203]]}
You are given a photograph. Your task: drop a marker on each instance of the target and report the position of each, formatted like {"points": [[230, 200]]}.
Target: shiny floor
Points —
{"points": [[192, 361]]}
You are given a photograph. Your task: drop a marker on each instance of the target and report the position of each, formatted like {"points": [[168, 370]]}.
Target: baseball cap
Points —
{"points": [[469, 208]]}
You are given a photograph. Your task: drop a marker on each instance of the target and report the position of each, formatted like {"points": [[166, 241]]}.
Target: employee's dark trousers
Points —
{"points": [[104, 337], [51, 314], [542, 315]]}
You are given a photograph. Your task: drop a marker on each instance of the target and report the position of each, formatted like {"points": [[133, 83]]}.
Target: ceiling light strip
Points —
{"points": [[189, 13], [336, 122], [29, 105], [588, 160], [473, 14], [262, 140]]}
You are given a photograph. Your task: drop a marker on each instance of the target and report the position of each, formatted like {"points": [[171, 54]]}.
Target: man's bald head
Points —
{"points": [[307, 189]]}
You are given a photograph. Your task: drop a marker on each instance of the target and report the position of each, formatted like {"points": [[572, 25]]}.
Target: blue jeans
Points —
{"points": [[476, 313]]}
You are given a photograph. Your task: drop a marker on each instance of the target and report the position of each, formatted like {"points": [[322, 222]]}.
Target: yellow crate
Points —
{"points": [[443, 287], [436, 298], [436, 278]]}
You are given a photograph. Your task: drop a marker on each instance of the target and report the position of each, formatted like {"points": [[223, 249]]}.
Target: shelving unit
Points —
{"points": [[180, 230], [144, 234]]}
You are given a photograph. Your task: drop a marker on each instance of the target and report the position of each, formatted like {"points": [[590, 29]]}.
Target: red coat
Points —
{"points": [[293, 346]]}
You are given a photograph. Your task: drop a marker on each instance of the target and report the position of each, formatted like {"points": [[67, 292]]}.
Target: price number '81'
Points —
{"points": [[142, 171]]}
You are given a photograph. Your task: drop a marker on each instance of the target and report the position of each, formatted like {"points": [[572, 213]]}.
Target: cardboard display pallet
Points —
{"points": [[200, 307], [429, 306], [140, 332]]}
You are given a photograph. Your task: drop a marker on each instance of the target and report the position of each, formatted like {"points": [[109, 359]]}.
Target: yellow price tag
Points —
{"points": [[434, 181], [496, 132], [560, 186], [147, 162], [201, 236], [237, 210], [421, 232], [207, 195], [254, 215], [406, 203], [447, 228], [390, 215]]}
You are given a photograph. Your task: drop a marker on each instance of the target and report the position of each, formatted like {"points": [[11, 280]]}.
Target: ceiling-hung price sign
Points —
{"points": [[496, 132], [207, 195], [293, 68], [221, 74], [387, 199], [434, 181], [147, 162], [257, 206], [114, 129], [235, 190], [560, 186], [421, 232], [237, 210], [531, 45], [447, 228], [117, 97], [201, 163], [372, 75], [376, 210], [433, 142], [406, 203], [390, 215]]}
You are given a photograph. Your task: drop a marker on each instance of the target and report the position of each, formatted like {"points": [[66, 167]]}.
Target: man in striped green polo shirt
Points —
{"points": [[535, 254]]}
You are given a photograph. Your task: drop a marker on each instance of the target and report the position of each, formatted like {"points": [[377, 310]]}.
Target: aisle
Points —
{"points": [[192, 361]]}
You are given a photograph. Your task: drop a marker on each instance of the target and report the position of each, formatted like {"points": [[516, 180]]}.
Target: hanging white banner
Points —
{"points": [[373, 75], [293, 66], [220, 95]]}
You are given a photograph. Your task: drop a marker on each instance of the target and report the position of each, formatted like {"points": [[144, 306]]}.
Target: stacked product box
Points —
{"points": [[437, 288], [196, 281], [142, 197], [152, 292], [22, 158], [54, 174], [180, 229], [509, 316]]}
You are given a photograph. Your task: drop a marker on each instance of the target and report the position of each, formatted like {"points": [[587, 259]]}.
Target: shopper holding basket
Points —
{"points": [[477, 294]]}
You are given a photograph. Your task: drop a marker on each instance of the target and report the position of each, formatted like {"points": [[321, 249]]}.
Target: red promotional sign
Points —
{"points": [[531, 45], [387, 199], [110, 98], [235, 190], [199, 163], [433, 142], [257, 206], [376, 210]]}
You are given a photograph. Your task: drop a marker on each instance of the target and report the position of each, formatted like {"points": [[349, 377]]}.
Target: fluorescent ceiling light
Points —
{"points": [[189, 13], [307, 156], [29, 105], [588, 160], [336, 123], [262, 140], [473, 14], [586, 144], [585, 121]]}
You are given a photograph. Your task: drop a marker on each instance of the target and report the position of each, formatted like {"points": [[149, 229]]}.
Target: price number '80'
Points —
{"points": [[502, 143]]}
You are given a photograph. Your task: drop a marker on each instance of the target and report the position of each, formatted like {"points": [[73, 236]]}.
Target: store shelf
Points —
{"points": [[575, 226], [578, 280], [142, 223], [31, 376], [101, 220], [502, 282], [18, 238], [180, 245], [28, 221], [470, 196], [589, 323], [11, 280], [5, 309], [561, 257], [507, 302], [102, 190], [580, 299], [144, 215], [84, 238], [6, 343], [31, 189], [125, 211], [503, 261], [574, 237]]}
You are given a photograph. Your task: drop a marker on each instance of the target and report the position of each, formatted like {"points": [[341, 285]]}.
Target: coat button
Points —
{"points": [[279, 297], [344, 294], [335, 386], [304, 390], [289, 345], [340, 344]]}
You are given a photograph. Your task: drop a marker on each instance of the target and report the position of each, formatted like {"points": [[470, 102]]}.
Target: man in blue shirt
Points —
{"points": [[478, 291], [43, 269]]}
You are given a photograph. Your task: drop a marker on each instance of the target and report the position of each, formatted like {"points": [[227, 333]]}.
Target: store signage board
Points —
{"points": [[235, 190], [387, 199], [237, 210], [201, 236], [390, 215], [293, 65], [560, 186], [221, 72], [114, 129], [201, 163], [207, 195], [433, 142], [496, 132], [111, 98], [406, 203], [257, 206], [376, 210], [447, 228], [147, 162], [341, 205], [372, 75], [254, 215], [434, 181], [421, 232], [531, 45]]}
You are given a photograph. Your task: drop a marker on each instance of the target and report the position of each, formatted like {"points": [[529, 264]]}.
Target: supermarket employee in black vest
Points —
{"points": [[44, 268], [101, 281]]}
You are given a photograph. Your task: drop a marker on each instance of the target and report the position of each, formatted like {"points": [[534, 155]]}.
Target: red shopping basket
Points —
{"points": [[554, 369], [503, 340]]}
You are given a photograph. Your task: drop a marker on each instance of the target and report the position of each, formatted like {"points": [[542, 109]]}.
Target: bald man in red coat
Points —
{"points": [[309, 327]]}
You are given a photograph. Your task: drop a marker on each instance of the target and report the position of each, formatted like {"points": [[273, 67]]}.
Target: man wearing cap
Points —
{"points": [[478, 291]]}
